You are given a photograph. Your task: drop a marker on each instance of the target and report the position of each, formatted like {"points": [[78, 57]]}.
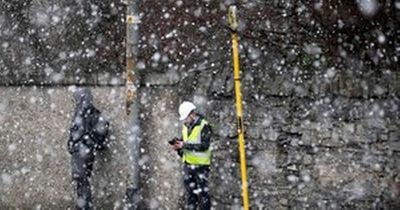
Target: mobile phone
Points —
{"points": [[172, 142]]}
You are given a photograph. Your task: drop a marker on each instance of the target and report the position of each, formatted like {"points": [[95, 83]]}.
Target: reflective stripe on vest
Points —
{"points": [[193, 157]]}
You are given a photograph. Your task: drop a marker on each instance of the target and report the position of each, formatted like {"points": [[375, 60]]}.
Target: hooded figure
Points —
{"points": [[83, 106], [81, 148]]}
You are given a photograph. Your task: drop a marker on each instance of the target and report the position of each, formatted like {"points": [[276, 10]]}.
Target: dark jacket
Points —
{"points": [[79, 125]]}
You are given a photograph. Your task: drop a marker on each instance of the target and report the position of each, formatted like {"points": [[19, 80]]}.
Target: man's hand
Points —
{"points": [[178, 145]]}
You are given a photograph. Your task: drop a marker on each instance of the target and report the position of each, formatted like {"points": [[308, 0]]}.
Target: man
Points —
{"points": [[88, 132], [194, 148]]}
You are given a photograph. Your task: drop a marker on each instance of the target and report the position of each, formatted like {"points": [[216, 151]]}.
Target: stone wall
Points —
{"points": [[321, 110], [315, 152], [292, 160], [61, 42]]}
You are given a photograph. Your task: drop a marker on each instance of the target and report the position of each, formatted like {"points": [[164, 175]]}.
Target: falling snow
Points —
{"points": [[319, 86]]}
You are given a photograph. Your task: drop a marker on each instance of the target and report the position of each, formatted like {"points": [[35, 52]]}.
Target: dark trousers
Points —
{"points": [[82, 165], [196, 184]]}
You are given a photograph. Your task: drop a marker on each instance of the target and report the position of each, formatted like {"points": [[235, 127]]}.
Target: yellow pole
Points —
{"points": [[239, 110]]}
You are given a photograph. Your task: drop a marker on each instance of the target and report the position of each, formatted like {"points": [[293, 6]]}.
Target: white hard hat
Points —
{"points": [[185, 108]]}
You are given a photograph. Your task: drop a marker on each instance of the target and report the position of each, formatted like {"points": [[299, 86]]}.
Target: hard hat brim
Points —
{"points": [[183, 117]]}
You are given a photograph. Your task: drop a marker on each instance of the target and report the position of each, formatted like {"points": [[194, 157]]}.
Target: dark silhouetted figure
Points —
{"points": [[88, 134]]}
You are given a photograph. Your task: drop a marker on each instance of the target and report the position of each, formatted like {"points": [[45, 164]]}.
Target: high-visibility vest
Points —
{"points": [[195, 157]]}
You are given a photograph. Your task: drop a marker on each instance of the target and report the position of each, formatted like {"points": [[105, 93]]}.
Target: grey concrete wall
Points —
{"points": [[35, 165], [162, 169]]}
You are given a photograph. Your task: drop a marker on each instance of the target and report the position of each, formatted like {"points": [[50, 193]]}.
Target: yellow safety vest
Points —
{"points": [[195, 157]]}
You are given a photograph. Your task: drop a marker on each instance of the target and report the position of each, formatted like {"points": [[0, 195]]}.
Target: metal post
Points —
{"points": [[132, 105], [239, 110]]}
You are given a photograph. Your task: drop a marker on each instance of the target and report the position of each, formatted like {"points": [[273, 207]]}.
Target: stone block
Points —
{"points": [[308, 137], [394, 145], [394, 135], [168, 78]]}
